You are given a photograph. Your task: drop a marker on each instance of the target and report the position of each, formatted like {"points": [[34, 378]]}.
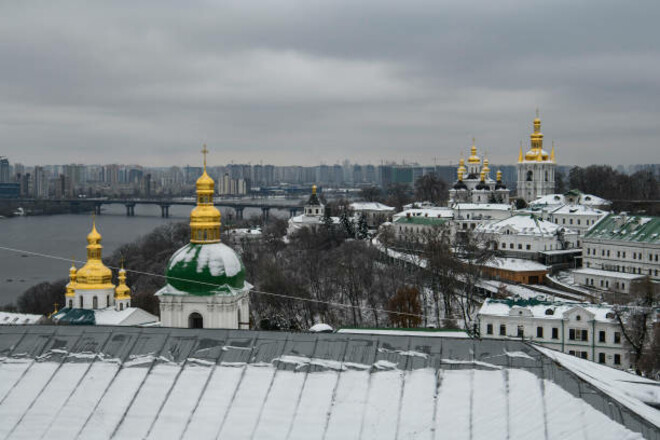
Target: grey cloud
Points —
{"points": [[305, 81]]}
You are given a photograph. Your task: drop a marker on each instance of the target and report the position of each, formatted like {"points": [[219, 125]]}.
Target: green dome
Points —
{"points": [[212, 268]]}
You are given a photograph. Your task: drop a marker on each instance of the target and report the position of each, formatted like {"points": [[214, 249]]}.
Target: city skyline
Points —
{"points": [[307, 83]]}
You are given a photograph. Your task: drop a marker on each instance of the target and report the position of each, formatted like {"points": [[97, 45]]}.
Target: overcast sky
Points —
{"points": [[308, 82]]}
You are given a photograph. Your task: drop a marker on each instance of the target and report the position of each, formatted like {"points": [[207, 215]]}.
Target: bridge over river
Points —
{"points": [[237, 204]]}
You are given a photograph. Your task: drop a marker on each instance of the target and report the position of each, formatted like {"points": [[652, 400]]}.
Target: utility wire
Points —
{"points": [[260, 292]]}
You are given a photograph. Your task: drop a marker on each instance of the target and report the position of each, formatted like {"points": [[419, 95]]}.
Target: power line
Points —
{"points": [[260, 292]]}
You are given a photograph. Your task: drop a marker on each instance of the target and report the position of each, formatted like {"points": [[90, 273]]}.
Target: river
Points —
{"points": [[65, 236]]}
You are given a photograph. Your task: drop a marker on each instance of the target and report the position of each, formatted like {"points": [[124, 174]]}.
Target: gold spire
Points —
{"points": [[499, 175], [483, 176], [205, 218], [552, 152], [122, 291], [473, 159], [313, 189], [460, 174], [94, 274], [486, 168], [520, 156]]}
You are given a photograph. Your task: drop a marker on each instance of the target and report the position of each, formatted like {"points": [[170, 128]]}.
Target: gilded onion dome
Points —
{"points": [[461, 164], [94, 274], [122, 291], [473, 159], [71, 285], [205, 218], [536, 152], [205, 266], [486, 168]]}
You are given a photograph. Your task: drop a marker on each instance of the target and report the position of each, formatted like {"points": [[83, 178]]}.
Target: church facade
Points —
{"points": [[206, 285]]}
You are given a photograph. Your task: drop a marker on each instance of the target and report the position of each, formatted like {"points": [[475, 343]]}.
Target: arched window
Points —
{"points": [[81, 302], [70, 303], [107, 301], [239, 317], [121, 306], [530, 175], [95, 303], [195, 320]]}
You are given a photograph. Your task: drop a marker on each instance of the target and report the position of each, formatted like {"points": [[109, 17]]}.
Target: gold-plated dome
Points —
{"points": [[94, 274], [71, 285], [486, 168], [122, 291], [205, 218], [473, 159], [536, 152]]}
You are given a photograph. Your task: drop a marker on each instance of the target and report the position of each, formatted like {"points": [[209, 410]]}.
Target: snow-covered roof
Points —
{"points": [[561, 199], [522, 225], [371, 206], [436, 212], [310, 220], [102, 382], [608, 273], [8, 318], [516, 265], [482, 206], [578, 210], [554, 310], [430, 333], [128, 316]]}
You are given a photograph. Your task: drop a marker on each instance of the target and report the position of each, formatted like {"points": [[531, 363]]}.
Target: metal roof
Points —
{"points": [[119, 382], [621, 227]]}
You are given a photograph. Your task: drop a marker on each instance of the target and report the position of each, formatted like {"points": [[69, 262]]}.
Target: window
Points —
{"points": [[70, 303], [489, 329], [617, 359], [195, 320], [511, 246], [503, 330], [81, 302], [601, 336], [521, 331], [578, 335], [520, 246], [617, 337], [584, 355], [555, 333], [601, 358], [95, 303], [529, 247], [539, 332], [121, 306]]}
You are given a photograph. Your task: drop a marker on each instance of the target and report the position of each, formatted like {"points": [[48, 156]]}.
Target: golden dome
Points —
{"points": [[536, 152], [122, 291], [483, 176], [205, 218], [499, 176], [473, 159], [486, 168], [94, 274]]}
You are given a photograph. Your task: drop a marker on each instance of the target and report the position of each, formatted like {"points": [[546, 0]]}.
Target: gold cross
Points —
{"points": [[204, 152]]}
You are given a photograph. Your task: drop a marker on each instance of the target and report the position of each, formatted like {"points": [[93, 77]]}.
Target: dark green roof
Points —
{"points": [[75, 316], [412, 220], [206, 269], [632, 228]]}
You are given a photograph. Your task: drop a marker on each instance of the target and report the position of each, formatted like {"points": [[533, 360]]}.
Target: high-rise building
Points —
{"points": [[4, 171]]}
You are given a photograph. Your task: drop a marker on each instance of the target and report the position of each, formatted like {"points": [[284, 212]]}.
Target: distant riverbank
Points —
{"points": [[14, 208]]}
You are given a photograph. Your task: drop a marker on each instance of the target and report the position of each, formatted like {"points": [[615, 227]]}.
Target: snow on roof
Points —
{"points": [[370, 206], [608, 273], [578, 210], [437, 212], [422, 332], [522, 225], [622, 227], [173, 383], [482, 206], [128, 316], [311, 220], [544, 309], [561, 199], [516, 265], [8, 318], [636, 393]]}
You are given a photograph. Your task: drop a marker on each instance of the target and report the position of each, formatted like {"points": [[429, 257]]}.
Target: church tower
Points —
{"points": [[536, 168], [90, 287], [206, 285]]}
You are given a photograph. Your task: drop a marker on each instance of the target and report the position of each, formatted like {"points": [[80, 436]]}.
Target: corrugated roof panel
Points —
{"points": [[103, 382]]}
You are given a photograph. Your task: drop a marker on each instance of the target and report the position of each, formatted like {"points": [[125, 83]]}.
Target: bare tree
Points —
{"points": [[637, 320]]}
